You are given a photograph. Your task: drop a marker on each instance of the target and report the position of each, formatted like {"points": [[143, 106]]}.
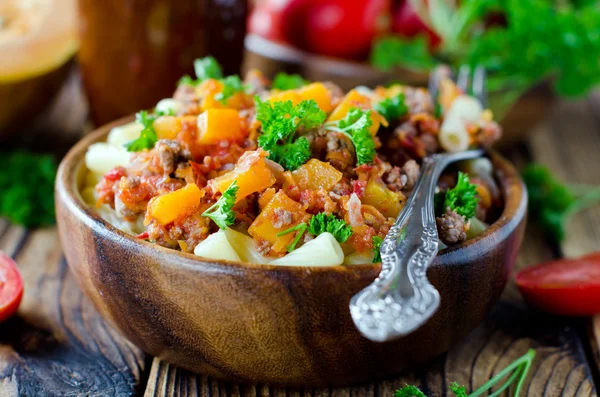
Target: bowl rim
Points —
{"points": [[67, 193]]}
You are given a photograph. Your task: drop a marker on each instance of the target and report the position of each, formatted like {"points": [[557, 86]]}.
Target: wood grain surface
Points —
{"points": [[58, 346]]}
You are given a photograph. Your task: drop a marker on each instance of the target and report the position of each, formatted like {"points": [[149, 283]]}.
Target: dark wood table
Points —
{"points": [[59, 346]]}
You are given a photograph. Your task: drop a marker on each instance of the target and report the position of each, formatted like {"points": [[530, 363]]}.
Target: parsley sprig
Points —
{"points": [[462, 198], [231, 86], [222, 212], [322, 222], [300, 228], [284, 81], [279, 122], [392, 108], [377, 248], [148, 137], [356, 127], [208, 68], [515, 373], [552, 203]]}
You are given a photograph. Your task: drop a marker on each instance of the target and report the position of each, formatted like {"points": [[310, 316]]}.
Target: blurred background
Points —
{"points": [[69, 65]]}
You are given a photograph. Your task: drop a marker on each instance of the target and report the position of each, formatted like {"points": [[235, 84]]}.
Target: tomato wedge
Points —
{"points": [[567, 287], [11, 287]]}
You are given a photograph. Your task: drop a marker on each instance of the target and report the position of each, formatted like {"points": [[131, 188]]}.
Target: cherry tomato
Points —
{"points": [[11, 287], [266, 17], [568, 287], [337, 28], [406, 22]]}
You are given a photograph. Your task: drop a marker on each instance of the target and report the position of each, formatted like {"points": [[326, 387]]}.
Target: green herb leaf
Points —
{"points": [[458, 390], [409, 391], [231, 86], [207, 68], [148, 137], [377, 248], [222, 212], [322, 223], [284, 81], [300, 228], [392, 51], [356, 127], [392, 108], [279, 122], [187, 80], [27, 188], [462, 198]]}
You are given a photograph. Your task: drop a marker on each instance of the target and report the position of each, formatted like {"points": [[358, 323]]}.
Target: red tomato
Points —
{"points": [[568, 287], [407, 23], [266, 17], [338, 28], [11, 287]]}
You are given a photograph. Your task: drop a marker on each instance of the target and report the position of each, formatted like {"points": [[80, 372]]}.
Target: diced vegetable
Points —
{"points": [[465, 109], [216, 125], [322, 251], [388, 202], [169, 106], [318, 93], [217, 246], [289, 95], [477, 227], [167, 127], [172, 206], [210, 89], [251, 173], [244, 246], [102, 157], [353, 99], [264, 227], [125, 133], [316, 174]]}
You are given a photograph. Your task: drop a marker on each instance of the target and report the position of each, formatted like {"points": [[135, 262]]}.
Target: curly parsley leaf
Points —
{"points": [[462, 198], [284, 81], [148, 137], [356, 127], [376, 248], [300, 228], [323, 222], [207, 68], [409, 391], [392, 108], [279, 121], [222, 212], [27, 188], [231, 86], [552, 203], [458, 390]]}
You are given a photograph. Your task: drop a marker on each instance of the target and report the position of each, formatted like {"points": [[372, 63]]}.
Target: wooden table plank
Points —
{"points": [[57, 345]]}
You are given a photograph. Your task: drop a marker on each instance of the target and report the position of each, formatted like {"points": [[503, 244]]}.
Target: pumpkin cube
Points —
{"points": [[251, 173], [269, 222], [288, 95], [208, 89], [388, 202], [216, 125], [318, 93], [169, 207], [167, 127], [316, 174], [353, 99]]}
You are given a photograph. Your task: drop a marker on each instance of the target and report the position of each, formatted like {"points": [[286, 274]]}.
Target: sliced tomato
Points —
{"points": [[11, 287], [266, 18], [406, 22], [568, 287]]}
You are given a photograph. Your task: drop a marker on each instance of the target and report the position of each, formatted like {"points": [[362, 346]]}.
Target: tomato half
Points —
{"points": [[568, 287], [11, 287], [406, 22]]}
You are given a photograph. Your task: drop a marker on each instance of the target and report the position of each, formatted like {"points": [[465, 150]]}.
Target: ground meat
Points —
{"points": [[452, 227], [418, 100], [132, 196], [170, 153], [418, 135], [256, 81], [404, 178], [488, 133], [282, 218], [340, 151], [186, 233]]}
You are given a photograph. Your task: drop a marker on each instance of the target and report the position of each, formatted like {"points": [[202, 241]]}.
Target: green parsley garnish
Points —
{"points": [[392, 108], [462, 198], [148, 137], [553, 203], [356, 127], [207, 68], [322, 223], [514, 373], [377, 248], [284, 81], [27, 188], [231, 86], [222, 212], [280, 121], [301, 228]]}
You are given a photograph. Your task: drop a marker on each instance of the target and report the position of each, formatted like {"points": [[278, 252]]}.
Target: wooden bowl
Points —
{"points": [[269, 324], [270, 57]]}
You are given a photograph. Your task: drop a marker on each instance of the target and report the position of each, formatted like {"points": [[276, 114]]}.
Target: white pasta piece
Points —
{"points": [[477, 227], [464, 110], [102, 157], [322, 251], [169, 105], [359, 258], [216, 246], [123, 134], [244, 246]]}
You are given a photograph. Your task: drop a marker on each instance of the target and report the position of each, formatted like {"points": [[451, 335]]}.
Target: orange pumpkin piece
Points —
{"points": [[288, 95], [318, 93], [388, 202], [316, 174], [251, 173], [353, 99], [168, 208], [268, 223], [216, 125], [209, 88], [167, 127]]}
